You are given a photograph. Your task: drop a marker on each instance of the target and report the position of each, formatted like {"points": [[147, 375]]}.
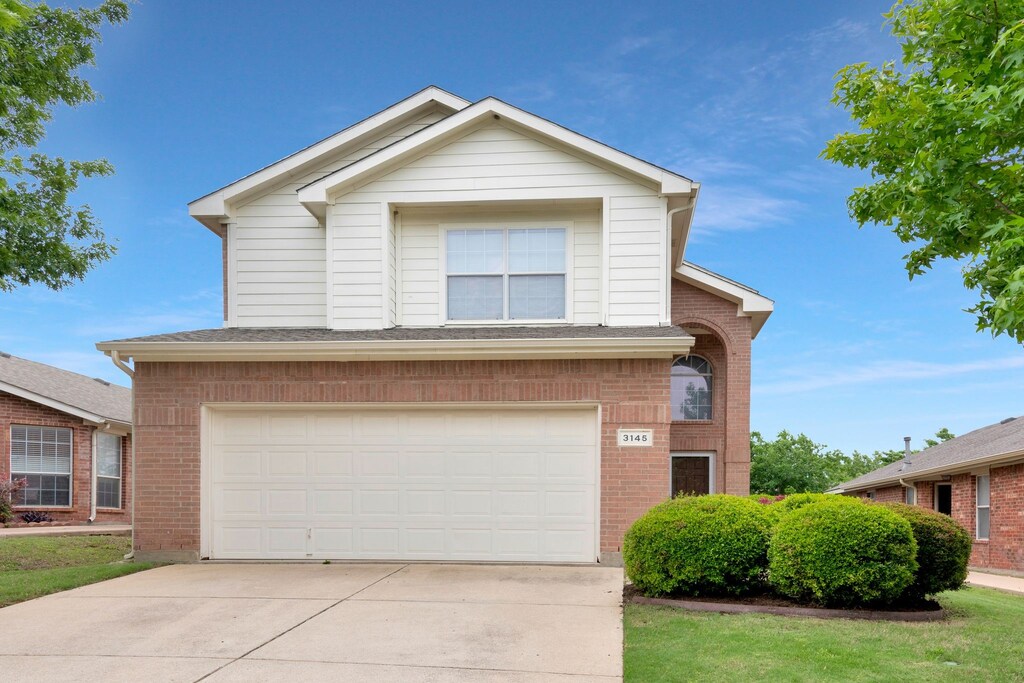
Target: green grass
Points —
{"points": [[981, 641], [32, 566]]}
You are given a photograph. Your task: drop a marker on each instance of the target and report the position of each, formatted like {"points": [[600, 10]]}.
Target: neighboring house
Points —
{"points": [[453, 331], [69, 436], [977, 478]]}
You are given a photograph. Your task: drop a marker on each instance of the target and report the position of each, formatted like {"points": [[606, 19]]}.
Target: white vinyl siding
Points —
{"points": [[280, 253], [636, 256]]}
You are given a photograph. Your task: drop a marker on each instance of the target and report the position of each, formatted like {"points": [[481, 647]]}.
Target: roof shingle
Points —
{"points": [[91, 395]]}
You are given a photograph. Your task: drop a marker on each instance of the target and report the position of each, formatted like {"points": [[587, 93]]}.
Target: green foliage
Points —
{"points": [[942, 435], [844, 554], [42, 237], [698, 545], [792, 464], [8, 493], [943, 550], [943, 139]]}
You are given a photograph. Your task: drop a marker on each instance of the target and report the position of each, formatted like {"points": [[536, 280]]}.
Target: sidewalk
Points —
{"points": [[83, 530], [1012, 584]]}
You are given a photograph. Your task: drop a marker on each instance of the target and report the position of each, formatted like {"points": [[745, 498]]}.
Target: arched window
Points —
{"points": [[691, 388]]}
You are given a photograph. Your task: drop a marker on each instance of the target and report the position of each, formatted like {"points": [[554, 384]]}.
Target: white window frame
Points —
{"points": [[70, 474], [505, 226], [978, 506], [120, 469], [910, 495], [710, 455]]}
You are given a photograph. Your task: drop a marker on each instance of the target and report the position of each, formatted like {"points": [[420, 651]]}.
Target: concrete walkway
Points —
{"points": [[314, 622], [82, 530], [1012, 584]]}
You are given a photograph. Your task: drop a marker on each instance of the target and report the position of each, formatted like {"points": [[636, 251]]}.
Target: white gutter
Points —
{"points": [[956, 468], [115, 356], [910, 486], [385, 350]]}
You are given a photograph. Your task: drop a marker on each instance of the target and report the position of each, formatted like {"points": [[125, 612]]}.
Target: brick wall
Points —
{"points": [[632, 394], [725, 342], [18, 411], [1004, 548]]}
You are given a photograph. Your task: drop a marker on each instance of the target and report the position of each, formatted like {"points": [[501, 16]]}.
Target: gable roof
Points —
{"points": [[90, 399], [750, 302], [314, 195], [210, 208], [995, 443]]}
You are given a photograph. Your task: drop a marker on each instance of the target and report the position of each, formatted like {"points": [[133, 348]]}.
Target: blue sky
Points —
{"points": [[733, 94]]}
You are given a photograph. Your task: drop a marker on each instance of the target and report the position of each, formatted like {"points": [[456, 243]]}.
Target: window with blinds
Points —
{"points": [[108, 470], [42, 456]]}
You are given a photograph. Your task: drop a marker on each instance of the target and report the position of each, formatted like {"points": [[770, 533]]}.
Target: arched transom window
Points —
{"points": [[691, 388]]}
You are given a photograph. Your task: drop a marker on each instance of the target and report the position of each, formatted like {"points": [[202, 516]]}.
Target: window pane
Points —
{"points": [[108, 455], [911, 496], [108, 492], [45, 489], [476, 251], [41, 449], [540, 250], [537, 297], [475, 298], [983, 485], [691, 389], [983, 521]]}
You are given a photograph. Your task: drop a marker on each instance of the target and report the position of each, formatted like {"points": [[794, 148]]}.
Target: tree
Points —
{"points": [[43, 238], [943, 138], [792, 464], [942, 435]]}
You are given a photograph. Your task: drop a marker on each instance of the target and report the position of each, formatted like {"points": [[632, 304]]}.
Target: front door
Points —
{"points": [[944, 498], [691, 474]]}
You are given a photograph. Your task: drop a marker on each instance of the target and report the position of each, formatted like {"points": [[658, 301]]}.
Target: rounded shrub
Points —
{"points": [[795, 501], [943, 550], [698, 545], [841, 554]]}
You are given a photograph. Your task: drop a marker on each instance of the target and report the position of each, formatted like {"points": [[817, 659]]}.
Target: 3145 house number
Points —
{"points": [[636, 437]]}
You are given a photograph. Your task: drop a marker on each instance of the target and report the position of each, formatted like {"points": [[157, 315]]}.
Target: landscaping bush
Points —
{"points": [[779, 506], [943, 550], [842, 554], [8, 492], [698, 545]]}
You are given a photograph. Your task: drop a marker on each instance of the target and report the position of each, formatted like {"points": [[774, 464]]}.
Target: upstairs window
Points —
{"points": [[42, 456], [506, 274], [691, 388]]}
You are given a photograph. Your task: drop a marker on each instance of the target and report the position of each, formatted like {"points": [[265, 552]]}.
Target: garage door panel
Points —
{"points": [[477, 485]]}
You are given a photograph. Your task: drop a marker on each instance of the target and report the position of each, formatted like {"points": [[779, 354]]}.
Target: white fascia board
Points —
{"points": [[929, 473], [749, 302], [409, 350], [53, 403], [315, 195], [210, 208]]}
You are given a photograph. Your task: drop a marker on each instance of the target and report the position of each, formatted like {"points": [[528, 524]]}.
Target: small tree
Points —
{"points": [[943, 139], [43, 238]]}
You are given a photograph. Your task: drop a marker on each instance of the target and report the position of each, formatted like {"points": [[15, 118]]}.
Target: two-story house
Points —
{"points": [[452, 331]]}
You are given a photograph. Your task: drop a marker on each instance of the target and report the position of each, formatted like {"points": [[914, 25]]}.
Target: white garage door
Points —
{"points": [[419, 484]]}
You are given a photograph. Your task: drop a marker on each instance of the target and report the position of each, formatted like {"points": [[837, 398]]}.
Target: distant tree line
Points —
{"points": [[796, 464]]}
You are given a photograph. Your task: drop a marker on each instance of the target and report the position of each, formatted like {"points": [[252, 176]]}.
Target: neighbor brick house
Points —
{"points": [[69, 437], [977, 478], [452, 330]]}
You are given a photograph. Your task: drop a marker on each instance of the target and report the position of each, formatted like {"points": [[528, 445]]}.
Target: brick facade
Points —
{"points": [[1004, 549], [723, 338], [18, 411]]}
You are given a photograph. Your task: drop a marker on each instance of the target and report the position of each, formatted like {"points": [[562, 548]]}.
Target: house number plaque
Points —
{"points": [[636, 437]]}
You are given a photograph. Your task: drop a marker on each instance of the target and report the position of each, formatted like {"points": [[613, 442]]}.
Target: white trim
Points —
{"points": [[120, 469], [664, 294], [329, 231], [750, 304], [380, 350], [206, 442], [385, 265], [315, 195], [710, 455], [211, 207], [399, 269], [606, 231]]}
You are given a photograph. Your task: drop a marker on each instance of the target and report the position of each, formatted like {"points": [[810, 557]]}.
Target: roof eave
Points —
{"points": [[61, 406], [956, 468], [749, 302], [407, 350]]}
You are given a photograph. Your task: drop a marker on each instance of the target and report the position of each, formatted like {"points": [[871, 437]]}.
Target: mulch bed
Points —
{"points": [[773, 604]]}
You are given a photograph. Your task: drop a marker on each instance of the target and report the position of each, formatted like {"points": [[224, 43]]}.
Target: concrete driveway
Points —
{"points": [[312, 622]]}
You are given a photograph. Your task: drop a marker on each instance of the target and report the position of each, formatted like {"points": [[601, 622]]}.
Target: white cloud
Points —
{"points": [[882, 372], [730, 209]]}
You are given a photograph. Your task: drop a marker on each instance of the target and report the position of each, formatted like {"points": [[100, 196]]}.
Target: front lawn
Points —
{"points": [[32, 566], [979, 642]]}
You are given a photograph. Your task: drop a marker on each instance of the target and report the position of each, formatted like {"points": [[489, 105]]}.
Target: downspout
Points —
{"points": [[115, 356], [92, 501]]}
